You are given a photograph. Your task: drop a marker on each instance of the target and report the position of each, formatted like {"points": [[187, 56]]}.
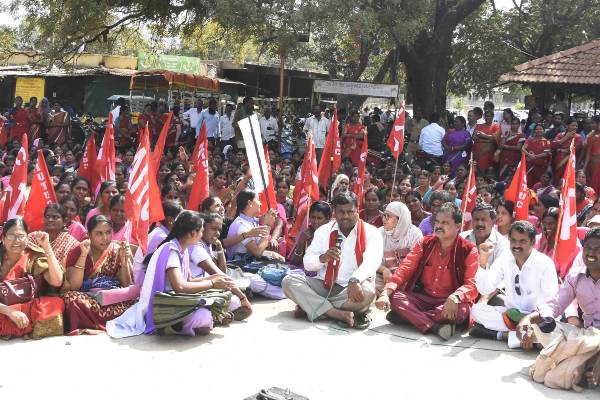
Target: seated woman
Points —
{"points": [[281, 195], [319, 214], [371, 213], [169, 270], [122, 229], [42, 316], [415, 206], [81, 191], [108, 190], [71, 218], [399, 237], [98, 263], [546, 241], [60, 240], [206, 262], [277, 224], [248, 206], [504, 219], [341, 183]]}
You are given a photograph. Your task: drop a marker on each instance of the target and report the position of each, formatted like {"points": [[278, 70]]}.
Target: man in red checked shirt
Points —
{"points": [[434, 286]]}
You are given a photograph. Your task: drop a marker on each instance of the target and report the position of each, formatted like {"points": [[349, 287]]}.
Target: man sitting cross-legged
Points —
{"points": [[346, 252], [434, 286]]}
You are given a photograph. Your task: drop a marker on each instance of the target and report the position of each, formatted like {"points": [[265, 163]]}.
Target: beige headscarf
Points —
{"points": [[338, 179], [405, 234]]}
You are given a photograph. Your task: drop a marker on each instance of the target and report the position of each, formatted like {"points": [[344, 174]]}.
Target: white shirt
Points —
{"points": [[199, 252], [430, 140], [538, 282], [319, 130], [372, 255], [501, 244], [226, 127], [268, 128], [193, 115]]}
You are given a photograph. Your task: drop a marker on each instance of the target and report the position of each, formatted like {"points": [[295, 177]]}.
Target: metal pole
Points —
{"points": [[281, 91], [395, 173]]}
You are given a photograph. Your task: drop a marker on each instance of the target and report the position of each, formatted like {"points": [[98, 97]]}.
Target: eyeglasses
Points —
{"points": [[517, 286], [387, 216], [12, 237]]}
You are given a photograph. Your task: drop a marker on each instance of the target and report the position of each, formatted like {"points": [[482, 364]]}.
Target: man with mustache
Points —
{"points": [[529, 279], [437, 279], [484, 219], [346, 254]]}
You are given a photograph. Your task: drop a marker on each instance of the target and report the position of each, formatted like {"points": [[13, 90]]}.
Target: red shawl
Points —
{"points": [[333, 267]]}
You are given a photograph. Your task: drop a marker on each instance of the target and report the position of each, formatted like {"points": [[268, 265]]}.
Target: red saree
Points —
{"points": [[351, 147], [483, 151], [44, 313], [593, 167], [510, 158], [21, 126], [535, 168], [36, 121], [59, 127], [83, 313], [561, 155]]}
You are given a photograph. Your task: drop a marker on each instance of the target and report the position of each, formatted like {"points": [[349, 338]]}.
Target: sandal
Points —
{"points": [[224, 320], [361, 322], [242, 313]]}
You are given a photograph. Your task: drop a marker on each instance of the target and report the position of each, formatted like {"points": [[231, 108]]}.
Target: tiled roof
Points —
{"points": [[576, 66]]}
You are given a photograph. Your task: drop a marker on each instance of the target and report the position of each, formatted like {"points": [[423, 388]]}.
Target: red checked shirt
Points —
{"points": [[437, 278]]}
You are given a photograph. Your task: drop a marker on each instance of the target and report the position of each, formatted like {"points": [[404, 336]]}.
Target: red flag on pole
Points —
{"points": [[159, 148], [16, 192], [270, 189], [518, 192], [106, 160], [308, 180], [332, 153], [200, 188], [469, 196], [396, 139], [359, 183], [87, 168], [41, 194], [566, 236], [139, 197]]}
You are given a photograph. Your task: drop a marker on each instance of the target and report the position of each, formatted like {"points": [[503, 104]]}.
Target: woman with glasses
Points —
{"points": [[98, 263], [19, 257]]}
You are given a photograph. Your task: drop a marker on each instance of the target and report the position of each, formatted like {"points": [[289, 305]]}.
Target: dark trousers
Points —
{"points": [[319, 155], [424, 311]]}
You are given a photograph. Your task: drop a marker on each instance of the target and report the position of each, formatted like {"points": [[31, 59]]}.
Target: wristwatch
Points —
{"points": [[353, 280]]}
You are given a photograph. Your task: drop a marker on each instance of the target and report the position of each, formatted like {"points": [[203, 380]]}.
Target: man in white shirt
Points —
{"points": [[192, 116], [268, 126], [318, 126], [473, 118], [210, 118], [430, 140], [529, 278], [342, 292], [226, 127]]}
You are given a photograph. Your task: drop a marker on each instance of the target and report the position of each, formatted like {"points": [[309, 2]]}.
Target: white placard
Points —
{"points": [[356, 88], [256, 159]]}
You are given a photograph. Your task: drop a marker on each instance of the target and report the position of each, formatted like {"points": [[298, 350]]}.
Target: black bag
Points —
{"points": [[276, 393]]}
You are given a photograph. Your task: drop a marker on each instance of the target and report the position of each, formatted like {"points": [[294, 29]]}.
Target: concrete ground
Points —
{"points": [[320, 361]]}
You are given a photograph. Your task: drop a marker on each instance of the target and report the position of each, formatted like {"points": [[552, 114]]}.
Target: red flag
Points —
{"points": [[159, 148], [332, 153], [566, 247], [307, 181], [200, 188], [518, 192], [139, 197], [269, 192], [106, 161], [469, 196], [40, 195], [3, 133], [396, 139], [16, 192], [87, 168], [358, 184]]}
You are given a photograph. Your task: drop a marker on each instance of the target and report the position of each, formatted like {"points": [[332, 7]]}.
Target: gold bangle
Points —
{"points": [[78, 266]]}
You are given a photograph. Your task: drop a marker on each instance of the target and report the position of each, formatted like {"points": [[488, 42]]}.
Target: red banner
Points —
{"points": [[16, 192], [200, 187], [518, 192], [396, 139], [41, 194], [332, 153]]}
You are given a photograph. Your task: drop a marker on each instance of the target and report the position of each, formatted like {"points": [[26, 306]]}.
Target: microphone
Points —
{"points": [[338, 242]]}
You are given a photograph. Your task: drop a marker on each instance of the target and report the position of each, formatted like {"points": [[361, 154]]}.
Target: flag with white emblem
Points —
{"points": [[396, 139], [16, 192]]}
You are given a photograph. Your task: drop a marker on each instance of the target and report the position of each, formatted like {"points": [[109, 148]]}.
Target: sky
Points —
{"points": [[10, 20]]}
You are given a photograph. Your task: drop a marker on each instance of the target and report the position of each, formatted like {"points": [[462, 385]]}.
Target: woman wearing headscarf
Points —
{"points": [[399, 236], [341, 183]]}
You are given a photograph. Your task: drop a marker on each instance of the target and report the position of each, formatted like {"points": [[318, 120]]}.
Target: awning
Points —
{"points": [[168, 80]]}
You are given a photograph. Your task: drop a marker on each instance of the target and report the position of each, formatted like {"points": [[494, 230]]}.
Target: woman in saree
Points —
{"points": [[510, 146], [538, 154], [457, 143], [319, 214], [353, 136], [42, 316], [485, 142], [341, 183], [122, 228], [592, 160], [286, 204], [399, 237], [169, 270], [372, 214], [108, 190], [561, 146], [220, 189], [414, 203], [98, 263], [19, 118], [546, 241], [37, 118], [59, 125], [80, 187], [60, 240], [71, 218]]}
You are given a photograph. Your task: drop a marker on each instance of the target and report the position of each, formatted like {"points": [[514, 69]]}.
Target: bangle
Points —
{"points": [[77, 266], [219, 251]]}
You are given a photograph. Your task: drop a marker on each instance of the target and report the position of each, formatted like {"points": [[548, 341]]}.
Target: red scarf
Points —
{"points": [[333, 267]]}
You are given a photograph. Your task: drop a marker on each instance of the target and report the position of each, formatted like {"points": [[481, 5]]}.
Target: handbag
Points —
{"points": [[20, 290], [273, 273]]}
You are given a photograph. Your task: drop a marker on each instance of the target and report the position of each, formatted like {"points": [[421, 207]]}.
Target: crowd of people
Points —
{"points": [[405, 250]]}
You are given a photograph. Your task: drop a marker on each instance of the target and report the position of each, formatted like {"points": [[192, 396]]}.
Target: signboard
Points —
{"points": [[29, 87], [356, 88], [187, 65]]}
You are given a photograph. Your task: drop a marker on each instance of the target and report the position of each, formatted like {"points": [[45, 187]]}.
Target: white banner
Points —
{"points": [[356, 88], [254, 151]]}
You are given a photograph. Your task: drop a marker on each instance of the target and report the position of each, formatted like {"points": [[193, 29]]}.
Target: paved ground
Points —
{"points": [[320, 361]]}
